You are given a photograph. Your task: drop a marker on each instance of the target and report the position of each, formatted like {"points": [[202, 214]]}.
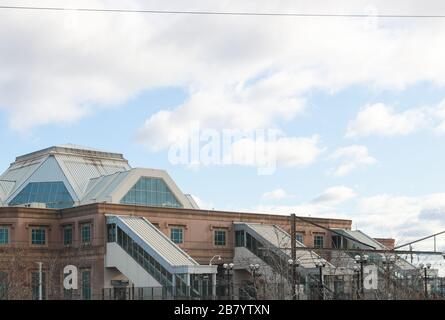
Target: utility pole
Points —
{"points": [[40, 281], [293, 253]]}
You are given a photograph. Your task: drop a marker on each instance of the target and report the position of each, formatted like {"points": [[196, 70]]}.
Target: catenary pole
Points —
{"points": [[293, 254]]}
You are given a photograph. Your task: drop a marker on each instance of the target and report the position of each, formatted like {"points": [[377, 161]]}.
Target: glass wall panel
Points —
{"points": [[239, 238], [144, 259], [151, 192], [54, 194]]}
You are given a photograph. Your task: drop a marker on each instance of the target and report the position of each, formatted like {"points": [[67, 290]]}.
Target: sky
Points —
{"points": [[350, 110]]}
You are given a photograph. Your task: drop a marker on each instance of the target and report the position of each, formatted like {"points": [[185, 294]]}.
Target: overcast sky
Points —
{"points": [[359, 103]]}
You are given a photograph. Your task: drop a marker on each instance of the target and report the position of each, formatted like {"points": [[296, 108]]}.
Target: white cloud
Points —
{"points": [[335, 195], [403, 217], [239, 71], [351, 158], [285, 151], [231, 109], [438, 113], [380, 119], [277, 194]]}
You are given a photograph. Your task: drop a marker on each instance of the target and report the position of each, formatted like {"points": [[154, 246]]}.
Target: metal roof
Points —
{"points": [[274, 234], [279, 238], [90, 175], [192, 201], [17, 174], [79, 166], [362, 237], [71, 150], [79, 147], [5, 189], [100, 189], [158, 241], [80, 170]]}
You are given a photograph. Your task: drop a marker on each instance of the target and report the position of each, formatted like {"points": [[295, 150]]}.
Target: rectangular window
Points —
{"points": [[220, 237], [3, 285], [299, 237], [111, 231], [4, 235], [339, 286], [85, 233], [38, 236], [67, 235], [35, 285], [248, 241], [318, 241], [336, 242], [86, 285], [177, 235], [239, 238]]}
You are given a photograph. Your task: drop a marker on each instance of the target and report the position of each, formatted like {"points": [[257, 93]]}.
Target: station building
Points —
{"points": [[132, 233]]}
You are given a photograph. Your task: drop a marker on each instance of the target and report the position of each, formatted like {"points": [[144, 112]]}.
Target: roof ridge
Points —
{"points": [[72, 150]]}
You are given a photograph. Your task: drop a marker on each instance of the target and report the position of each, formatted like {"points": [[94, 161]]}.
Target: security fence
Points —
{"points": [[333, 289]]}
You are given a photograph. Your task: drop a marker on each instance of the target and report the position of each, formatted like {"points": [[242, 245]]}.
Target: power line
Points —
{"points": [[421, 239], [229, 13]]}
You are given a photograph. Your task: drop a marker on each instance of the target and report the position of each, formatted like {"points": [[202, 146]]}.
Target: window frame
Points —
{"points": [[215, 240], [4, 284], [8, 235], [54, 194], [177, 228], [337, 241], [299, 235], [111, 232], [90, 235], [64, 229], [153, 192], [240, 238], [319, 236], [45, 233], [82, 283]]}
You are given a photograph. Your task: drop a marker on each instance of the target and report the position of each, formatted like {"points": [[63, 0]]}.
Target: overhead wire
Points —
{"points": [[231, 13]]}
